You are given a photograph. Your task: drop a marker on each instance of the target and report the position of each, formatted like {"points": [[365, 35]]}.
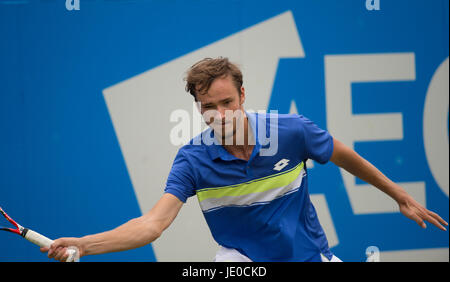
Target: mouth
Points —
{"points": [[227, 126]]}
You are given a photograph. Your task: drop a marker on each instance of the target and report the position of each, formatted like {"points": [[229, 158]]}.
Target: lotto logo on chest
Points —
{"points": [[281, 164]]}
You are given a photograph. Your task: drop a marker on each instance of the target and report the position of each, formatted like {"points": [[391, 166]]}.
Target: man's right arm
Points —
{"points": [[133, 234]]}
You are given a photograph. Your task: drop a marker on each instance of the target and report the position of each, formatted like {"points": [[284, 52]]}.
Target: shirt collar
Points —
{"points": [[216, 150]]}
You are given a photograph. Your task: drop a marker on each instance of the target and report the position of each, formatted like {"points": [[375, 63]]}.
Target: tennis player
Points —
{"points": [[253, 194]]}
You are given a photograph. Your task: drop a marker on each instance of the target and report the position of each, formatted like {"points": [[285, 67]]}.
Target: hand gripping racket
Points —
{"points": [[36, 238]]}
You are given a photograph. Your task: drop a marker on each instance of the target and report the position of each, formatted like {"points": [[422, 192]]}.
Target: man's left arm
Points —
{"points": [[348, 159]]}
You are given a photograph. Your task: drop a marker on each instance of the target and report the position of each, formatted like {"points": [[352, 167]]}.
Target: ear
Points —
{"points": [[242, 96]]}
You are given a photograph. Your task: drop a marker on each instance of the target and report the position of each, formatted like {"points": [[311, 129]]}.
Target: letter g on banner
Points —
{"points": [[435, 126]]}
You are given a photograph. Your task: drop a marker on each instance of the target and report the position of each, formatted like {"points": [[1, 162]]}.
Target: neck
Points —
{"points": [[241, 146]]}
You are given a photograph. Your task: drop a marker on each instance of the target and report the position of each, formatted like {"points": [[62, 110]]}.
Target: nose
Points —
{"points": [[216, 116], [220, 114]]}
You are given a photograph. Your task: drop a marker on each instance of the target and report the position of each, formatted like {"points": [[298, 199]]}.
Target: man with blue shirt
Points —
{"points": [[248, 171]]}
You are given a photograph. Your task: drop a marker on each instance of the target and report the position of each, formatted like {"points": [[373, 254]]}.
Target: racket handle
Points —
{"points": [[37, 238], [43, 241]]}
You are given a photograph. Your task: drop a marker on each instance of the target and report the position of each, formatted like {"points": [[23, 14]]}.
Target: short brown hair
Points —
{"points": [[200, 76]]}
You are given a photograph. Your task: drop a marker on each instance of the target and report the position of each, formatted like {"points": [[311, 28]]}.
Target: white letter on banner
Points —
{"points": [[340, 72], [435, 130]]}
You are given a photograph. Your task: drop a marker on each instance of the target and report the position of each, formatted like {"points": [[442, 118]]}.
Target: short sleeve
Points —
{"points": [[318, 142], [180, 181]]}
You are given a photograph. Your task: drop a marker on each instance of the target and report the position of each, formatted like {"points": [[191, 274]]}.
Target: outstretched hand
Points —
{"points": [[415, 211]]}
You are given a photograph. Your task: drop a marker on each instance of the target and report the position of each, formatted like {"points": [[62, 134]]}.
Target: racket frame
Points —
{"points": [[34, 237], [18, 230]]}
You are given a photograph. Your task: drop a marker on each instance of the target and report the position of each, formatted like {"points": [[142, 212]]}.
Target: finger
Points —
{"points": [[61, 252], [44, 249], [53, 247], [436, 216], [65, 255], [52, 252], [418, 220], [411, 214], [435, 222], [62, 255]]}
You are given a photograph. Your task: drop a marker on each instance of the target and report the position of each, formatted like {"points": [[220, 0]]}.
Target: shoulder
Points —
{"points": [[285, 122], [195, 147], [190, 150]]}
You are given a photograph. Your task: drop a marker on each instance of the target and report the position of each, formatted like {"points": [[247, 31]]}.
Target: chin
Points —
{"points": [[227, 138]]}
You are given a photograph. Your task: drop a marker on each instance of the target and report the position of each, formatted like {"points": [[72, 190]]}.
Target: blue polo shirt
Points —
{"points": [[260, 207]]}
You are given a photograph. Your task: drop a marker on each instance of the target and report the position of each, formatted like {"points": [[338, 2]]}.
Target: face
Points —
{"points": [[222, 107]]}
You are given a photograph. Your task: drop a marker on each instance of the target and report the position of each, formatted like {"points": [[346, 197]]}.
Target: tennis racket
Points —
{"points": [[36, 238]]}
